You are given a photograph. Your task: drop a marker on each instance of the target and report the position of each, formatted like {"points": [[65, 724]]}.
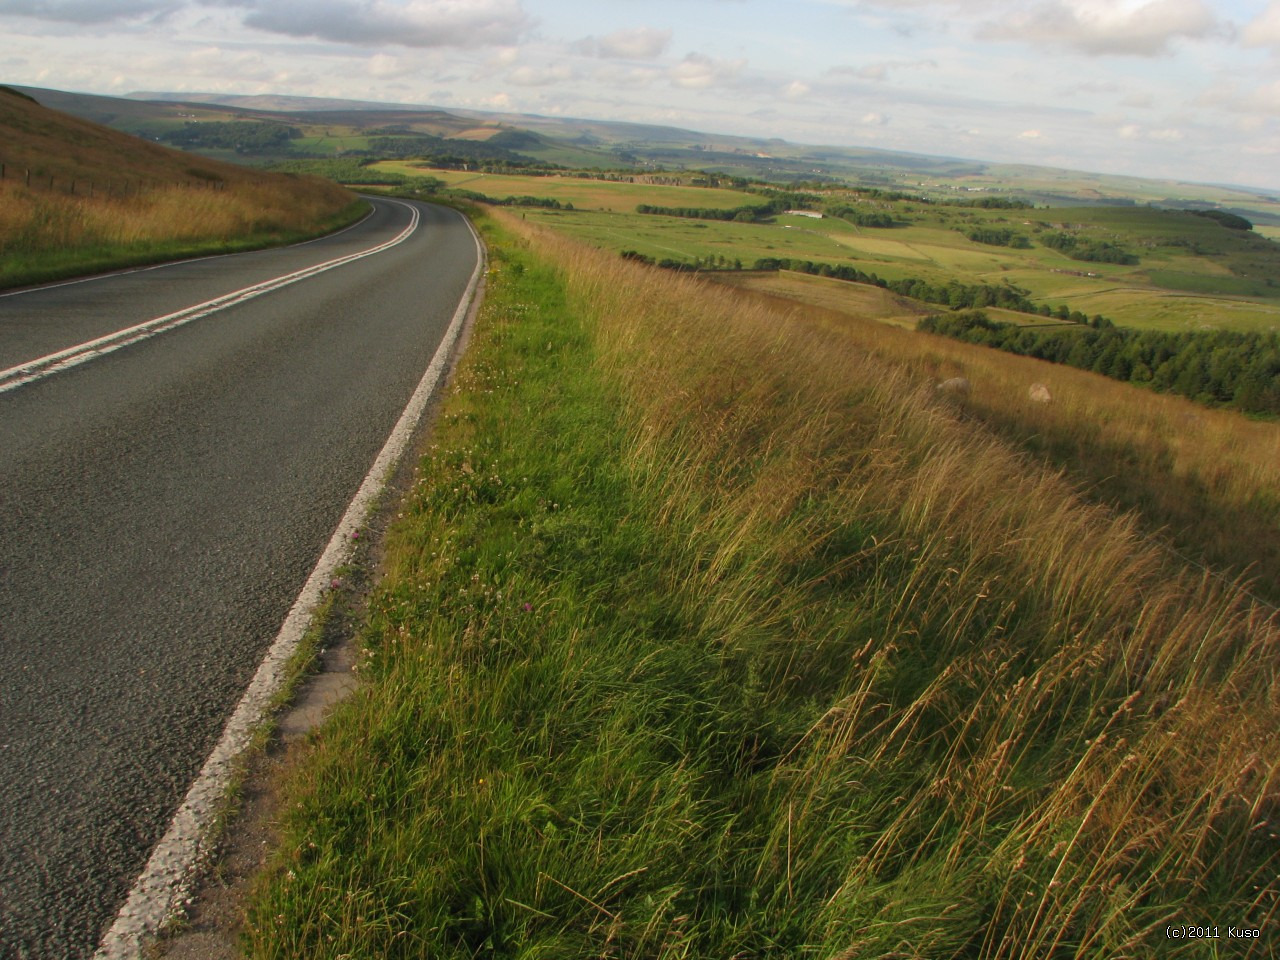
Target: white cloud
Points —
{"points": [[1031, 135], [874, 119], [1098, 27], [796, 90], [1265, 30], [697, 71], [1227, 96], [417, 23], [880, 69], [1140, 101], [385, 66], [635, 43], [540, 76]]}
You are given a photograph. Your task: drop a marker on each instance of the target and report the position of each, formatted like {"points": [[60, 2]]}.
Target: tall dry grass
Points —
{"points": [[1205, 481], [45, 229], [706, 633], [1052, 741]]}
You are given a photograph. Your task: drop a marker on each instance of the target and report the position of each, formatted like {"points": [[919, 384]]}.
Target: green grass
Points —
{"points": [[583, 193], [746, 649], [931, 251]]}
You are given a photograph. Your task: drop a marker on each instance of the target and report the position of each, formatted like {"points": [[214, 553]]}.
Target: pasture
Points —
{"points": [[1173, 287], [584, 194]]}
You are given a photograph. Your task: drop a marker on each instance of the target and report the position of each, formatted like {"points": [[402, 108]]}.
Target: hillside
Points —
{"points": [[78, 197], [755, 648], [51, 143]]}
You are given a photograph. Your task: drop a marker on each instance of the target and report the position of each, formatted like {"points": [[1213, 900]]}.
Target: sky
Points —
{"points": [[1181, 89]]}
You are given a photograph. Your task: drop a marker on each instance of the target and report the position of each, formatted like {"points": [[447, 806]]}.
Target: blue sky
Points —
{"points": [[1187, 89]]}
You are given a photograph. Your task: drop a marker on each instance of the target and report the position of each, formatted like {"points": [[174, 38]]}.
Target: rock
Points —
{"points": [[1039, 393], [957, 388]]}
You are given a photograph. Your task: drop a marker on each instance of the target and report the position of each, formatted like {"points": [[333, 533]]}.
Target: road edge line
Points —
{"points": [[169, 876]]}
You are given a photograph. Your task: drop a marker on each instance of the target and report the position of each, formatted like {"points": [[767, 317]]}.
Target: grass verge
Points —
{"points": [[704, 634], [47, 237]]}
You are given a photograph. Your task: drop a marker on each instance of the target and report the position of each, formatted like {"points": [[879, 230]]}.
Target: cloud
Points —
{"points": [[86, 11], [874, 119], [635, 43], [697, 71], [1132, 131], [1227, 97], [540, 76], [796, 90], [1031, 135], [1105, 28], [386, 67], [880, 70], [417, 23], [1265, 30]]}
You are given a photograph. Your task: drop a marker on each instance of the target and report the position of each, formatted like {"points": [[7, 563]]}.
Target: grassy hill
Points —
{"points": [[709, 630], [79, 197]]}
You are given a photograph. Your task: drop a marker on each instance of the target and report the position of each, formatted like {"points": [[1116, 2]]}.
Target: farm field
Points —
{"points": [[930, 250], [601, 195]]}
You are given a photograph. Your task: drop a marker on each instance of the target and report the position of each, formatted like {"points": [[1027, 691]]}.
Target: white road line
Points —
{"points": [[166, 881], [52, 363]]}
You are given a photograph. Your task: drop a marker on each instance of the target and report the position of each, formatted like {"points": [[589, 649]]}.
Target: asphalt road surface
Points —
{"points": [[161, 505]]}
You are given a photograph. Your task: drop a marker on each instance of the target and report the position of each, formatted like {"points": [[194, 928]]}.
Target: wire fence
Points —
{"points": [[91, 187]]}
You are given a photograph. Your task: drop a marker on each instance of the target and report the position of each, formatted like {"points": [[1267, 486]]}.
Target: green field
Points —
{"points": [[584, 194], [1192, 273]]}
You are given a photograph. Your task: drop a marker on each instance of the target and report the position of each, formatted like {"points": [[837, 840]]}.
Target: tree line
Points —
{"points": [[997, 237], [748, 213], [1221, 367], [242, 136], [952, 294], [1093, 251]]}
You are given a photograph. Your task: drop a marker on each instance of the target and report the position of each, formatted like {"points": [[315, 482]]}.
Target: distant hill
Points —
{"points": [[333, 127], [277, 103]]}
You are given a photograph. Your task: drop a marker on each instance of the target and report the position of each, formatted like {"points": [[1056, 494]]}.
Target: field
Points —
{"points": [[755, 648], [929, 248], [584, 194]]}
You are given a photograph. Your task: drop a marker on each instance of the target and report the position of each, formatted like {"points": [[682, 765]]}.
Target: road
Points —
{"points": [[161, 505]]}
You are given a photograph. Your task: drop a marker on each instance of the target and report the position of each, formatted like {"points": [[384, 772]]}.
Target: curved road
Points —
{"points": [[161, 506]]}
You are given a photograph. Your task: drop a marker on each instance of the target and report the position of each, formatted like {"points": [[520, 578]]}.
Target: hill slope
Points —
{"points": [[51, 143], [77, 197]]}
